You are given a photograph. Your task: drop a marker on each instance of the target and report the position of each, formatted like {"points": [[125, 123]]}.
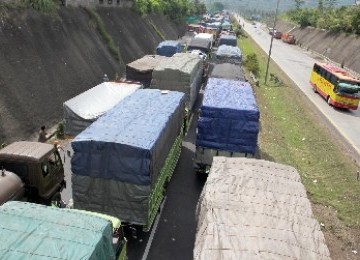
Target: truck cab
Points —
{"points": [[39, 167]]}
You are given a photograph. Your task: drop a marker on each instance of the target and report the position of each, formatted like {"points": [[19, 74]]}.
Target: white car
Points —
{"points": [[202, 55]]}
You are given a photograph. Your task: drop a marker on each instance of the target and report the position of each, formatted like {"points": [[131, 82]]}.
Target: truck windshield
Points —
{"points": [[51, 164]]}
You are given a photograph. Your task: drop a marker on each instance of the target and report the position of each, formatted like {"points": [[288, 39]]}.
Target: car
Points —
{"points": [[202, 55], [277, 34]]}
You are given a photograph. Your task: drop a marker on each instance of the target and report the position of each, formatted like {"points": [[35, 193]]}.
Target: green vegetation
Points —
{"points": [[46, 6], [251, 62], [177, 10], [157, 31], [343, 19], [60, 130], [5, 7], [291, 133], [99, 25], [216, 7]]}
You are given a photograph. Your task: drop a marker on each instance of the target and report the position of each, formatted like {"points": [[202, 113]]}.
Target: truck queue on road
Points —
{"points": [[125, 151]]}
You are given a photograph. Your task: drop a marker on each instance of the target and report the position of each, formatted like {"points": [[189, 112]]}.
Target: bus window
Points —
{"points": [[317, 68], [333, 79]]}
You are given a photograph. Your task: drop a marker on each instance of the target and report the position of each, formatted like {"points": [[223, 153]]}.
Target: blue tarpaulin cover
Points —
{"points": [[32, 231], [168, 48], [229, 54], [229, 117], [131, 141], [229, 51]]}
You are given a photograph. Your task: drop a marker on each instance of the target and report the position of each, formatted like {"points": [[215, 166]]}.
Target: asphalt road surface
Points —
{"points": [[297, 64]]}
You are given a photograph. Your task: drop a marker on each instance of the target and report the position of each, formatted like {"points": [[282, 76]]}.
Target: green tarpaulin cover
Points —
{"points": [[32, 231]]}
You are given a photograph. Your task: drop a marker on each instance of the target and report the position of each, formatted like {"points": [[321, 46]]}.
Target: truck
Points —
{"points": [[228, 123], [182, 72], [33, 231], [256, 209], [82, 110], [31, 171], [122, 162], [288, 38], [168, 48], [228, 54]]}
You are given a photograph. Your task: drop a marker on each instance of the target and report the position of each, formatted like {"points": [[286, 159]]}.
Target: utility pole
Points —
{"points": [[271, 42]]}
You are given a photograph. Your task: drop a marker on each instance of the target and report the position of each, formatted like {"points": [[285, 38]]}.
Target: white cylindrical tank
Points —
{"points": [[11, 187]]}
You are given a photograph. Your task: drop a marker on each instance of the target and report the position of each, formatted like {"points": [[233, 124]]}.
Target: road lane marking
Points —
{"points": [[153, 231]]}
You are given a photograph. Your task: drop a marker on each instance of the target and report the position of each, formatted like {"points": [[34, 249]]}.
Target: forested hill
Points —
{"points": [[48, 59], [270, 5]]}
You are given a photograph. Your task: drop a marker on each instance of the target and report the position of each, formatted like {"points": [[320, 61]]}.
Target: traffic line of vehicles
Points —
{"points": [[125, 150], [32, 173], [285, 37]]}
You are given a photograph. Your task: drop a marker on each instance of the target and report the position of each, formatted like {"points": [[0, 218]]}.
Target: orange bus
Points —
{"points": [[337, 86]]}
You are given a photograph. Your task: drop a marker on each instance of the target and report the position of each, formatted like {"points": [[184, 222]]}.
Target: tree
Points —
{"points": [[320, 5], [331, 3], [299, 3], [355, 21], [217, 7], [199, 7]]}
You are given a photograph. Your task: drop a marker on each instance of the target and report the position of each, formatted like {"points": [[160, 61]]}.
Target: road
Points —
{"points": [[297, 64]]}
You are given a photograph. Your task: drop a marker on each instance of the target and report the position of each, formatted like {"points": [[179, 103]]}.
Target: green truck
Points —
{"points": [[34, 231], [123, 161]]}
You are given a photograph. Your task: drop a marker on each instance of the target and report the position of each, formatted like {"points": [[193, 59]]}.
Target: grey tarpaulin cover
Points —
{"points": [[200, 44], [117, 160], [32, 231], [227, 53], [256, 209], [181, 72], [229, 117], [227, 40], [85, 108], [227, 71], [142, 69]]}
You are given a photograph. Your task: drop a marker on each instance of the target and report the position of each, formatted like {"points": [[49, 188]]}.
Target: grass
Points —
{"points": [[157, 30], [106, 37], [292, 134]]}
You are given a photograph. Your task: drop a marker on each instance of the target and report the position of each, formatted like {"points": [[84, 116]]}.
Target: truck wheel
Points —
{"points": [[328, 101], [55, 200], [315, 89]]}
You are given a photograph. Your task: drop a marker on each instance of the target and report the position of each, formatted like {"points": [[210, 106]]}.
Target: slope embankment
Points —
{"points": [[48, 59]]}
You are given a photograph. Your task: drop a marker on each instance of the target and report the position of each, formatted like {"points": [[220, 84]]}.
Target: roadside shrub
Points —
{"points": [[42, 5], [251, 62], [96, 19], [60, 130]]}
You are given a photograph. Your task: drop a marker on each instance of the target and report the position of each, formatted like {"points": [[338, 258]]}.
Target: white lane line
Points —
{"points": [[153, 231]]}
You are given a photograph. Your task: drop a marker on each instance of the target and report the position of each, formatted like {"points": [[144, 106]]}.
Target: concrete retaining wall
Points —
{"points": [[340, 48]]}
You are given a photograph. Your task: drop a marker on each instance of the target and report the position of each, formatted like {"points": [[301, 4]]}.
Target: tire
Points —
{"points": [[328, 101], [315, 89]]}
